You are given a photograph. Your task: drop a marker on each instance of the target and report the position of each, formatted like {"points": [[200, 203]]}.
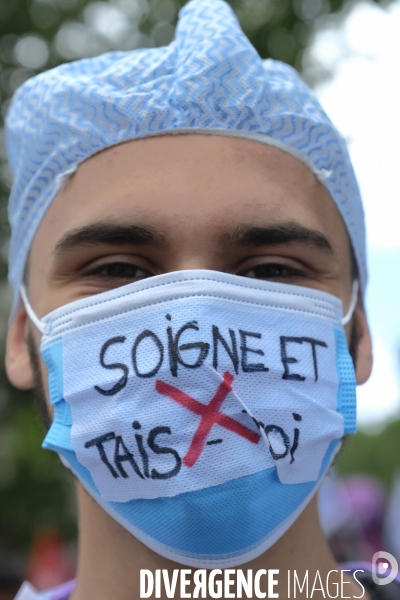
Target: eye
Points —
{"points": [[118, 270], [272, 271]]}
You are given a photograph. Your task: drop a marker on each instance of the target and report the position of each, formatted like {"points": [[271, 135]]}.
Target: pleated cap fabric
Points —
{"points": [[210, 79]]}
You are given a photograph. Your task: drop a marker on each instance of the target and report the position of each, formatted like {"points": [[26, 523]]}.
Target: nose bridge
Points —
{"points": [[196, 243], [203, 258]]}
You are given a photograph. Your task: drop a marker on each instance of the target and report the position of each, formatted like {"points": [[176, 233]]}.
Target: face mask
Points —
{"points": [[200, 409]]}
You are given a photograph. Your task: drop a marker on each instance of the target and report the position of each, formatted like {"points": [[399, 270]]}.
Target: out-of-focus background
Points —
{"points": [[349, 52]]}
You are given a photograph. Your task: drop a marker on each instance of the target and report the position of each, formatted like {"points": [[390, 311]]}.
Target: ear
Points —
{"points": [[364, 347], [18, 364]]}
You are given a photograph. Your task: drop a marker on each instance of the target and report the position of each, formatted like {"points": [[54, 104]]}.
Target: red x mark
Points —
{"points": [[209, 413]]}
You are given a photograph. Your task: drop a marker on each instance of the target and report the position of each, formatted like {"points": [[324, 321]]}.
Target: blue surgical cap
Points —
{"points": [[209, 80]]}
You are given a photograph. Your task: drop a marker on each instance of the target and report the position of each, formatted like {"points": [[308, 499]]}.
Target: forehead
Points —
{"points": [[209, 183]]}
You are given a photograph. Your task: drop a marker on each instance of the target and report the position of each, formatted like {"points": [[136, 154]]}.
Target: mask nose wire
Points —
{"points": [[353, 302], [31, 313]]}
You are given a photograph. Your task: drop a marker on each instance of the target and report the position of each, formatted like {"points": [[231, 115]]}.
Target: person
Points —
{"points": [[188, 266]]}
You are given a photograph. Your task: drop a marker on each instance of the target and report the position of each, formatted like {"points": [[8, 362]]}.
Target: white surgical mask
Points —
{"points": [[200, 409]]}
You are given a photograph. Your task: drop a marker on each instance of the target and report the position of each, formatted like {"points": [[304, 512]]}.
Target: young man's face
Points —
{"points": [[185, 202]]}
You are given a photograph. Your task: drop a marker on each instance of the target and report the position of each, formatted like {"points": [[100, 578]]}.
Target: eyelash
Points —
{"points": [[97, 271], [288, 272]]}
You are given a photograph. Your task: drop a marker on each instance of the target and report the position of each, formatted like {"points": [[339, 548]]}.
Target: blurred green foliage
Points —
{"points": [[34, 491], [37, 35], [372, 454]]}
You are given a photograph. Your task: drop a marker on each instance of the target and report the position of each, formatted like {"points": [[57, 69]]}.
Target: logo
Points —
{"points": [[384, 568]]}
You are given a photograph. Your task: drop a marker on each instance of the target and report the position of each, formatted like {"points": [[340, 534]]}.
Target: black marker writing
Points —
{"points": [[142, 450], [122, 454], [174, 349], [150, 346], [122, 382], [125, 456], [98, 442], [147, 334], [285, 439], [250, 367], [163, 450], [231, 351], [288, 360], [293, 449]]}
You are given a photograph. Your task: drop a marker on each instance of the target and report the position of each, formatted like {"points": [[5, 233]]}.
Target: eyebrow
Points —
{"points": [[280, 234], [119, 235], [109, 233]]}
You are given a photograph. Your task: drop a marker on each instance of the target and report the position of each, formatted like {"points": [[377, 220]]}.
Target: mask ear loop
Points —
{"points": [[31, 313], [353, 302]]}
